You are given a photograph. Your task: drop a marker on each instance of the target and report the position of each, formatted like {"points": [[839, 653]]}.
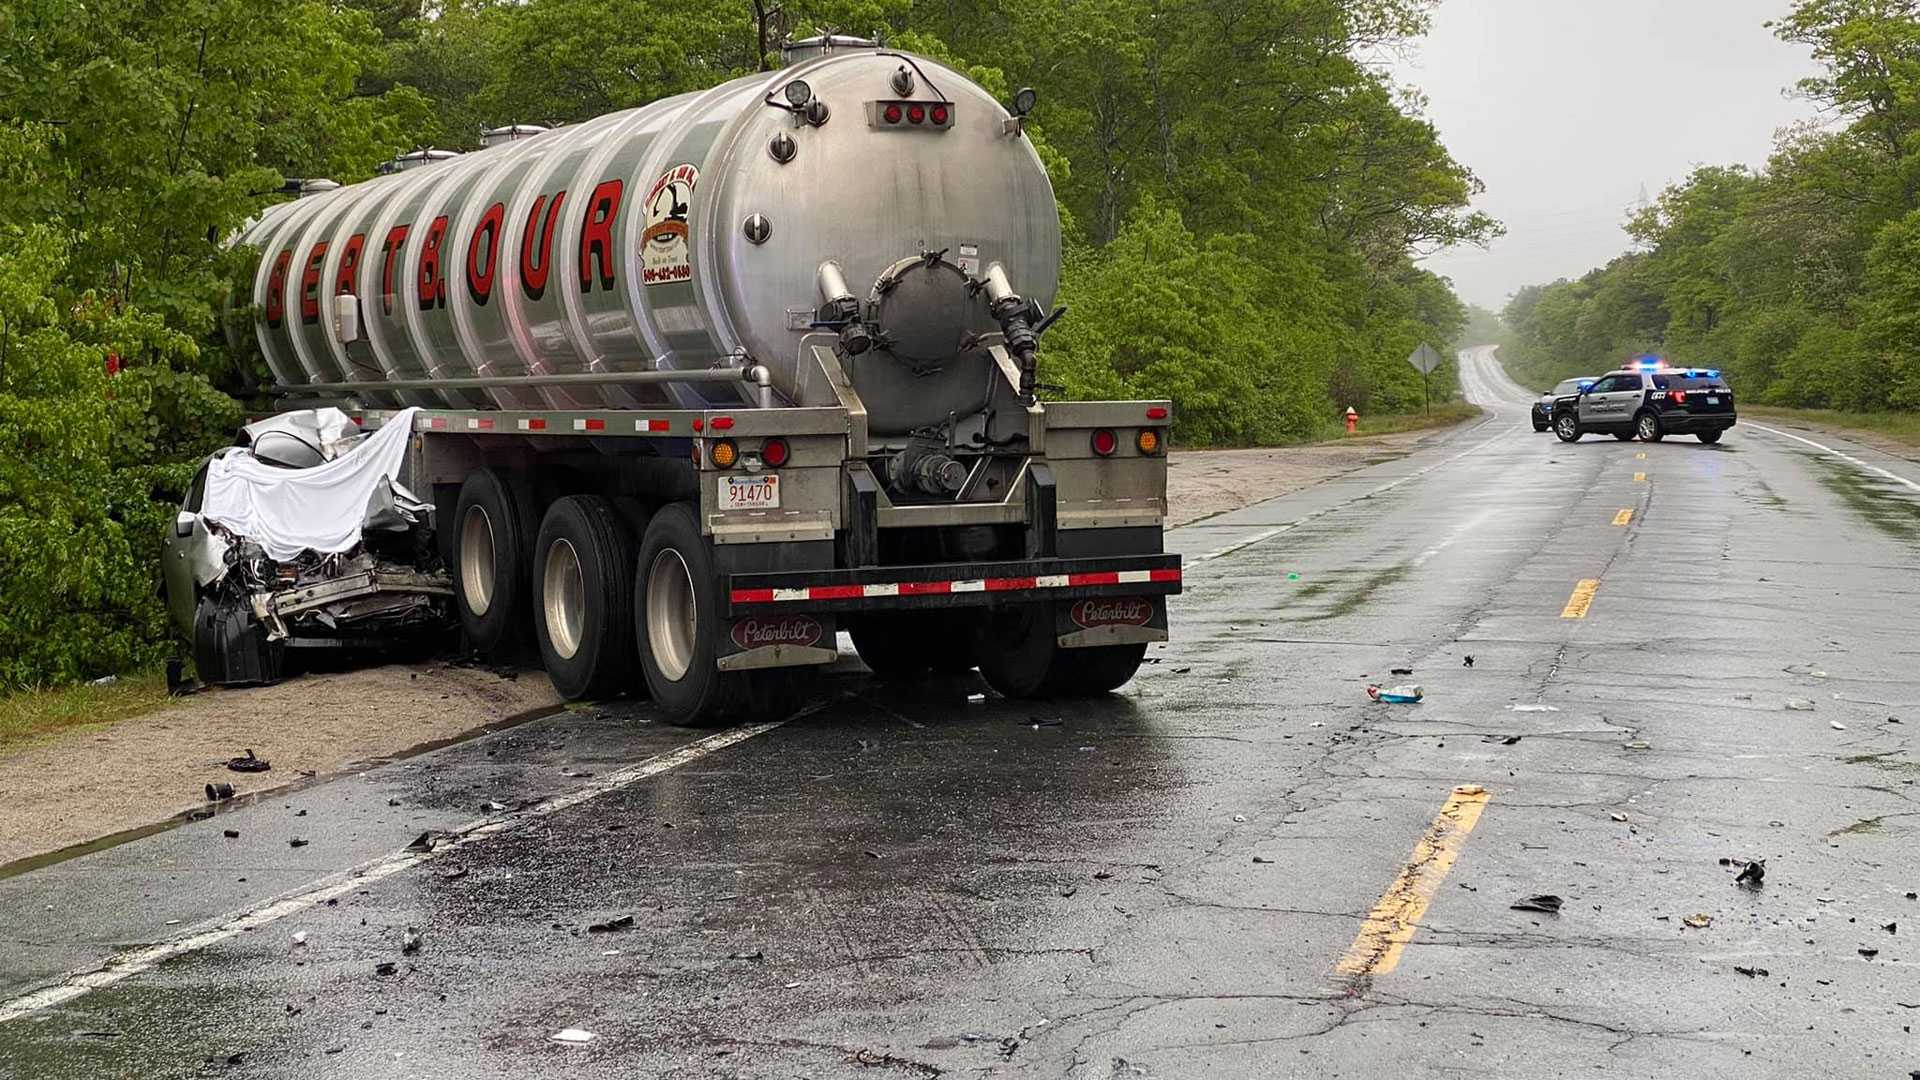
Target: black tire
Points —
{"points": [[1015, 647], [1566, 427], [1539, 426], [1647, 425], [1710, 437], [1095, 671], [583, 597], [492, 560], [1623, 436], [675, 583]]}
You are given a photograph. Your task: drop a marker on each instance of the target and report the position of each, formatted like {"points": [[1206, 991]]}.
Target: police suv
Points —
{"points": [[1649, 401]]}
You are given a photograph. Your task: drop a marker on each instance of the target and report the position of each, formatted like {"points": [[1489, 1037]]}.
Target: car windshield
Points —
{"points": [[1571, 386]]}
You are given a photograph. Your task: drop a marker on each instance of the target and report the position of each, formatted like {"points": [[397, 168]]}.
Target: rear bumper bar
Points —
{"points": [[954, 585]]}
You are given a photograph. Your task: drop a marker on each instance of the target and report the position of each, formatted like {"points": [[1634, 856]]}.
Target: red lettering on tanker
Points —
{"points": [[596, 235], [663, 246], [310, 284], [433, 283], [343, 281], [483, 253], [389, 254], [1123, 611], [757, 632], [277, 289], [533, 269]]}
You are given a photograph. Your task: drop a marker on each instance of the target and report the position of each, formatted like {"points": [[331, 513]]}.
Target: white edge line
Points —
{"points": [[132, 962], [1846, 457]]}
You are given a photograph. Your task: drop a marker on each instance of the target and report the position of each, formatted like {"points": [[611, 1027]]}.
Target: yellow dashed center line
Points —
{"points": [[1581, 600], [1639, 477], [1623, 517], [1641, 456], [1383, 937]]}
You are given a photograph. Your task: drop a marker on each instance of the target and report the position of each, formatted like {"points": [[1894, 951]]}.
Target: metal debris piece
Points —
{"points": [[385, 967], [219, 792], [1752, 874], [423, 842], [410, 942], [1799, 705], [249, 763], [1836, 725], [231, 834], [624, 922], [298, 842], [492, 807], [1261, 860], [1400, 671], [1868, 953], [299, 938], [573, 1036], [1892, 928], [1545, 903], [1618, 816], [1699, 920], [1751, 972]]}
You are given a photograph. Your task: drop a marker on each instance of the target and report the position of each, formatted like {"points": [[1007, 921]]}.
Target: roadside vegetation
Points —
{"points": [[1900, 427], [1243, 194], [1799, 280], [29, 715]]}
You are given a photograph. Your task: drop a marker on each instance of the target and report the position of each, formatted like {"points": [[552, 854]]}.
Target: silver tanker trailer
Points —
{"points": [[705, 381]]}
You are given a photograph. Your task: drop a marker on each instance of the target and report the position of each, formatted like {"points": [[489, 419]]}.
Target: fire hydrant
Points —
{"points": [[1353, 420]]}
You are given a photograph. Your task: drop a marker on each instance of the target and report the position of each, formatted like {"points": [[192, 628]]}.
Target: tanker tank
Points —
{"points": [[860, 197]]}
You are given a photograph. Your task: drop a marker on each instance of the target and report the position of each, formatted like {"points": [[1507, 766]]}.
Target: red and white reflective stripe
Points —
{"points": [[937, 588], [437, 422], [479, 423], [591, 424], [533, 423], [650, 424]]}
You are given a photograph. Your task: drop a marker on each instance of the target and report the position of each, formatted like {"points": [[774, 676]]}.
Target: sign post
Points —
{"points": [[1424, 359]]}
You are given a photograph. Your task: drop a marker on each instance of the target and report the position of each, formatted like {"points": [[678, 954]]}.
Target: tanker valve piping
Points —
{"points": [[1010, 310]]}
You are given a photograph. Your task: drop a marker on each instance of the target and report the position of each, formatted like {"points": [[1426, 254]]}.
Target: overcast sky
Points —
{"points": [[1565, 108]]}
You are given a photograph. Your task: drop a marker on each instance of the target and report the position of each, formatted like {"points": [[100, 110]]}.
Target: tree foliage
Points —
{"points": [[1798, 279]]}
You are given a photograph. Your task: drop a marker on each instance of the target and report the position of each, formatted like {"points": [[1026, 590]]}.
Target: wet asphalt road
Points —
{"points": [[1173, 882]]}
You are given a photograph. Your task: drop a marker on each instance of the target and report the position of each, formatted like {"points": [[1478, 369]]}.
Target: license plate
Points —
{"points": [[750, 492], [1713, 401]]}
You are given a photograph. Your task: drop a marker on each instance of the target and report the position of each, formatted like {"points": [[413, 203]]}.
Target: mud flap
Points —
{"points": [[1116, 620], [778, 640], [230, 646]]}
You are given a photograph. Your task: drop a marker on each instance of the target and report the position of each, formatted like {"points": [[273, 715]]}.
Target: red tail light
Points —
{"points": [[916, 114], [939, 114], [774, 452], [892, 113], [1678, 397], [1105, 443]]}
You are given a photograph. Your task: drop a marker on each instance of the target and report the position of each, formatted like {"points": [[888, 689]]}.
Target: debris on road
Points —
{"points": [[1262, 860], [1503, 740], [220, 792], [385, 967], [1617, 816], [454, 873], [1466, 661], [492, 807], [104, 680], [1752, 972], [1699, 920], [624, 922], [423, 842], [249, 763], [1398, 695], [976, 699], [756, 954], [1752, 874], [299, 938], [1836, 725], [574, 1036], [1892, 928], [1400, 671], [1868, 953], [410, 942], [298, 842], [1545, 903], [231, 834], [1536, 707], [1799, 705], [1185, 670]]}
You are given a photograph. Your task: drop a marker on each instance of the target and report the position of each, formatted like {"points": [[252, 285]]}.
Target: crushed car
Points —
{"points": [[302, 537]]}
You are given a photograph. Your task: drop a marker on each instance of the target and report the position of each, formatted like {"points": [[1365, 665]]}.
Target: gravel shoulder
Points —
{"points": [[100, 779]]}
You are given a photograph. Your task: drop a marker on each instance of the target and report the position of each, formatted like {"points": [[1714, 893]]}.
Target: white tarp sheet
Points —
{"points": [[287, 511]]}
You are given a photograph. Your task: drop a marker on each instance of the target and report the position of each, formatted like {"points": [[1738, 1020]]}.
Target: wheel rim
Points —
{"points": [[1566, 425], [476, 560], [1646, 427], [563, 592], [672, 621]]}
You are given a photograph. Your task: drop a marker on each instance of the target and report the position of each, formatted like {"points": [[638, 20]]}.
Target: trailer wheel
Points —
{"points": [[1097, 670], [583, 582], [892, 646], [677, 622], [493, 535], [1015, 648]]}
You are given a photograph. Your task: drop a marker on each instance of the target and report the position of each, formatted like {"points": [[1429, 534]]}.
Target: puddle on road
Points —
{"points": [[1879, 502], [1348, 601]]}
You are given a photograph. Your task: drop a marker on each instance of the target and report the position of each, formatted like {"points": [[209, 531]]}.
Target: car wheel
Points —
{"points": [[1624, 436], [676, 615], [583, 587], [493, 545], [1710, 437], [1567, 427], [1647, 426]]}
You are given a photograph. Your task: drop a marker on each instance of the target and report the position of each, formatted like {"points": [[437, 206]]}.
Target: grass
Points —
{"points": [[1445, 414], [1901, 427], [33, 714]]}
